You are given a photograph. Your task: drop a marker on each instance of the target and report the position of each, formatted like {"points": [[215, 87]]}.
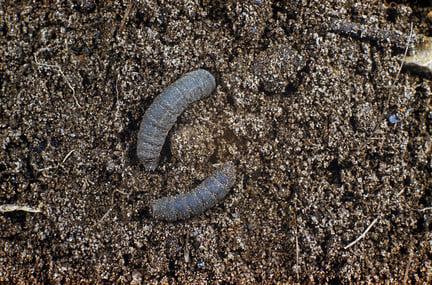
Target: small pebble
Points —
{"points": [[200, 264], [393, 119]]}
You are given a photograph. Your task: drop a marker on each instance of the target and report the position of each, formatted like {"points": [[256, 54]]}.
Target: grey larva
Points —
{"points": [[155, 125], [163, 113], [206, 195]]}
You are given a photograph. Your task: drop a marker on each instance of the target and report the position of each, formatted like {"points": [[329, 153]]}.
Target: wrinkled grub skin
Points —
{"points": [[317, 159]]}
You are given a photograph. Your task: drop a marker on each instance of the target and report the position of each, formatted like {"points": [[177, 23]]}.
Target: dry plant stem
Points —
{"points": [[117, 112], [126, 16], [297, 244], [362, 235], [372, 35], [12, 208], [105, 215], [403, 59], [405, 279], [67, 156], [59, 164], [426, 209], [297, 256], [406, 52]]}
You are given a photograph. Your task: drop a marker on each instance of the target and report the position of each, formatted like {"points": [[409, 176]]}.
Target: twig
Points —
{"points": [[425, 209], [12, 208], [406, 52], [362, 235], [58, 165], [403, 59], [126, 16], [405, 279], [117, 112], [297, 255], [297, 243], [106, 214], [46, 168], [372, 35], [67, 156]]}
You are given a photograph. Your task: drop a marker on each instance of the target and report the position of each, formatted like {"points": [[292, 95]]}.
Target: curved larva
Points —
{"points": [[163, 113], [206, 195]]}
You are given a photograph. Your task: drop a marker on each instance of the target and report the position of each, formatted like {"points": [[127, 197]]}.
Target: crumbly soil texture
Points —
{"points": [[331, 142]]}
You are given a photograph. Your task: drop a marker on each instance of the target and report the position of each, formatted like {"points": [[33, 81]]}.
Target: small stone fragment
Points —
{"points": [[201, 264], [393, 119]]}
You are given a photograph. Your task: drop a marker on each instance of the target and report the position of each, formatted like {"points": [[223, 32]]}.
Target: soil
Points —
{"points": [[329, 140]]}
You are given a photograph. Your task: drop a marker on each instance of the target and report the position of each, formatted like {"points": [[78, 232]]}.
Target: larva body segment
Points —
{"points": [[206, 195], [163, 112]]}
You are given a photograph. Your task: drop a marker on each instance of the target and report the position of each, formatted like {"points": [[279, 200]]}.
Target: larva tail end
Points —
{"points": [[159, 211]]}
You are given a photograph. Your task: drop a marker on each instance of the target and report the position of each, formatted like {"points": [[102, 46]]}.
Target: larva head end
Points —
{"points": [[206, 76], [157, 210], [149, 165]]}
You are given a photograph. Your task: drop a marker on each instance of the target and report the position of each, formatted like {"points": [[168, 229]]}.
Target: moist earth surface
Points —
{"points": [[329, 140]]}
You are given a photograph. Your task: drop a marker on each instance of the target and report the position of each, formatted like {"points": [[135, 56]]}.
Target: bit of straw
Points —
{"points": [[362, 235], [13, 208]]}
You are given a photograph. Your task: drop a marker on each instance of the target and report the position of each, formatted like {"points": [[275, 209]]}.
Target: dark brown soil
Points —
{"points": [[326, 136]]}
